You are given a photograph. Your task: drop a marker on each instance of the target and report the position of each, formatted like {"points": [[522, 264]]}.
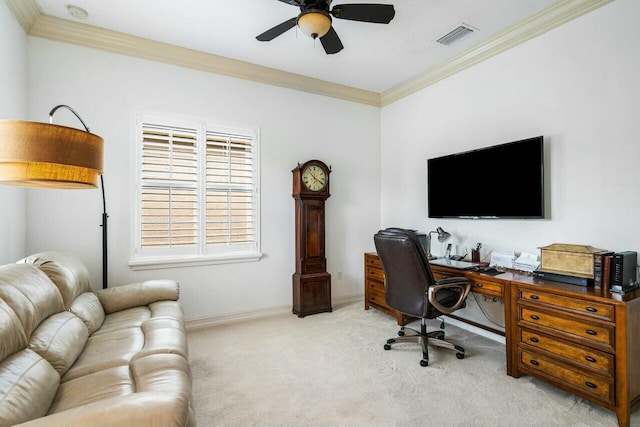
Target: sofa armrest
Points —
{"points": [[137, 294], [135, 410]]}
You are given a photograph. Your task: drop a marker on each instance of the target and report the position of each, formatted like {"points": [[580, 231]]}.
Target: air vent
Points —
{"points": [[456, 34]]}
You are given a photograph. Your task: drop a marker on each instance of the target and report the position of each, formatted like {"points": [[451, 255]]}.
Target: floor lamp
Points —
{"points": [[45, 155]]}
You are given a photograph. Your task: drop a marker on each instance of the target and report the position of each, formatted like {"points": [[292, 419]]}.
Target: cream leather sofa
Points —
{"points": [[72, 357]]}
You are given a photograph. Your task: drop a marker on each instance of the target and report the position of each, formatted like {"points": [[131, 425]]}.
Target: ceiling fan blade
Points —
{"points": [[277, 30], [331, 42], [292, 2], [365, 12]]}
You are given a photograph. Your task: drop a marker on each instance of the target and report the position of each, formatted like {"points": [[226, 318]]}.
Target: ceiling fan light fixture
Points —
{"points": [[314, 23]]}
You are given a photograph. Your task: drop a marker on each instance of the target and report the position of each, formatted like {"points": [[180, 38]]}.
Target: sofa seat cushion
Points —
{"points": [[94, 387], [166, 373], [28, 385], [59, 340], [163, 335], [125, 319], [105, 351]]}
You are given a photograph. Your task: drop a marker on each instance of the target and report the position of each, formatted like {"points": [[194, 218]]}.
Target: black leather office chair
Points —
{"points": [[412, 290]]}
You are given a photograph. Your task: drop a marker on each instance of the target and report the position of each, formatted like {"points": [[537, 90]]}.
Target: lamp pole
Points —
{"points": [[104, 202]]}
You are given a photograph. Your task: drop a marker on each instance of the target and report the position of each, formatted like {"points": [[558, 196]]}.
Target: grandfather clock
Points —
{"points": [[311, 282]]}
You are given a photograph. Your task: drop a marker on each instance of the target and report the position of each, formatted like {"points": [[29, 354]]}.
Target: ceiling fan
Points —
{"points": [[314, 20]]}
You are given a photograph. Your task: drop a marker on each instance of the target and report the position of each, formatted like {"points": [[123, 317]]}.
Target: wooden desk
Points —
{"points": [[583, 340]]}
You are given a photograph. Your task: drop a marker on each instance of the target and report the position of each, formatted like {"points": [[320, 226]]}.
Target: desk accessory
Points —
{"points": [[570, 260], [311, 282]]}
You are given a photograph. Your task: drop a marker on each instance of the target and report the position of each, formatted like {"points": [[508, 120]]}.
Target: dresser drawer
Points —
{"points": [[377, 298], [595, 360], [576, 305], [596, 387], [589, 331]]}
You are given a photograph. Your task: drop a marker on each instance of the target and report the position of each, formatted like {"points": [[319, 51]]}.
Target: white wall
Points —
{"points": [[578, 85], [13, 105], [108, 89]]}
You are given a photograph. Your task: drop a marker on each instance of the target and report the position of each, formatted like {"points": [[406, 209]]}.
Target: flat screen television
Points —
{"points": [[501, 181]]}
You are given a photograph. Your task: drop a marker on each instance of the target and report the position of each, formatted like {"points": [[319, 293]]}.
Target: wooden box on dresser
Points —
{"points": [[583, 340]]}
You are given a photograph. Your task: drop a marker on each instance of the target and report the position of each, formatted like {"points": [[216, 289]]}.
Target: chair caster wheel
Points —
{"points": [[460, 355], [387, 347], [400, 333], [424, 362]]}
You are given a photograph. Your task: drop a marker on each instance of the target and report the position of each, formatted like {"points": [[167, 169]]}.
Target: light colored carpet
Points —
{"points": [[331, 369]]}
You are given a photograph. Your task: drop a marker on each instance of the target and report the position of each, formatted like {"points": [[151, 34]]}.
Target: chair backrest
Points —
{"points": [[406, 269]]}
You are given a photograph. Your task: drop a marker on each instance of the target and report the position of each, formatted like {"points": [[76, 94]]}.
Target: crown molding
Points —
{"points": [[26, 12], [37, 24], [547, 19], [99, 38]]}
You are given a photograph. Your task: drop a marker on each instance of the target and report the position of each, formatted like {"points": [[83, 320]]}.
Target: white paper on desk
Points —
{"points": [[502, 259], [526, 262]]}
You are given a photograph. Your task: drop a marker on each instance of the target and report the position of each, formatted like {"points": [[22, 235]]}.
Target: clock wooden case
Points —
{"points": [[311, 282]]}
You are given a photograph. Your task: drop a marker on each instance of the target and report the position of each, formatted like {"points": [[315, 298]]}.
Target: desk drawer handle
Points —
{"points": [[592, 309], [590, 385], [591, 332], [534, 317], [534, 297], [479, 285], [590, 359], [535, 362], [534, 339]]}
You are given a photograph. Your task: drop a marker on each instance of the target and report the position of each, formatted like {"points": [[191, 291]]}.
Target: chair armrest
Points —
{"points": [[135, 410], [136, 294], [450, 282]]}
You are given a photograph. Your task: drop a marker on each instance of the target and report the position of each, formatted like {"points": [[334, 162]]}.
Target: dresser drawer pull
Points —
{"points": [[592, 309], [479, 285], [534, 317], [590, 359], [590, 385], [535, 362], [534, 297], [534, 339], [591, 332]]}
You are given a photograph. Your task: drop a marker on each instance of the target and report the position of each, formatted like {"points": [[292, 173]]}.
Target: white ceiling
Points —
{"points": [[376, 57]]}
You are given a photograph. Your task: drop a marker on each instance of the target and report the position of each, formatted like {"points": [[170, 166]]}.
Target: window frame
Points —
{"points": [[202, 253]]}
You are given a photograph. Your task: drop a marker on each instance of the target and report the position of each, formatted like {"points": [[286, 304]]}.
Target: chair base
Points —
{"points": [[425, 338]]}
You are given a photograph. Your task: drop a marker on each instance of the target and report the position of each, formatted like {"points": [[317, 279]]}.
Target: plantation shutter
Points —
{"points": [[169, 188], [197, 193], [230, 212]]}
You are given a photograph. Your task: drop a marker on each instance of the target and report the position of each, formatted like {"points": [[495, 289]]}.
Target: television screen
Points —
{"points": [[502, 181]]}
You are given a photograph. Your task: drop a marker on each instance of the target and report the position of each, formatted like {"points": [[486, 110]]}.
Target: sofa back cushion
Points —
{"points": [[67, 271], [30, 294], [12, 337], [60, 340], [87, 307], [28, 385]]}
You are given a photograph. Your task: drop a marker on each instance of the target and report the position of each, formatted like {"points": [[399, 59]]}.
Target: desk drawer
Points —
{"points": [[589, 331], [598, 361], [486, 287], [377, 298], [375, 274], [375, 286], [580, 306], [373, 261], [597, 387]]}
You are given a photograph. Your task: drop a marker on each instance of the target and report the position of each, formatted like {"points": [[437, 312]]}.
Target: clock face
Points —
{"points": [[314, 178]]}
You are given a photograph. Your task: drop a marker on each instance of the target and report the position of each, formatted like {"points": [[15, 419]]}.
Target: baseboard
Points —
{"points": [[243, 316]]}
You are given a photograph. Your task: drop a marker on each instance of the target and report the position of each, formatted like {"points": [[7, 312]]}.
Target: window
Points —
{"points": [[196, 193]]}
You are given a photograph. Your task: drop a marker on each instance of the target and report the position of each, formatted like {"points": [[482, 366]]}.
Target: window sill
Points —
{"points": [[152, 263]]}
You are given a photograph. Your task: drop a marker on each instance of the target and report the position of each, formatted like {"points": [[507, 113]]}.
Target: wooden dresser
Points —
{"points": [[583, 340]]}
